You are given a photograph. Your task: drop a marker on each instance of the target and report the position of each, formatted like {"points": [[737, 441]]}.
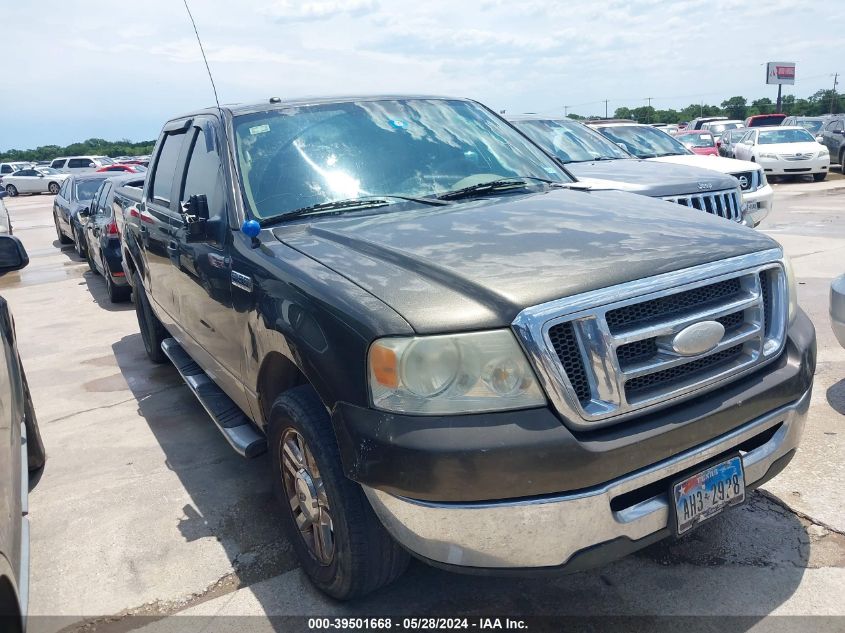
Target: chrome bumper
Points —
{"points": [[548, 532]]}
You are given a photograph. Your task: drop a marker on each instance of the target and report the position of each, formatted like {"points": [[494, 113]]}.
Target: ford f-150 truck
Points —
{"points": [[451, 348]]}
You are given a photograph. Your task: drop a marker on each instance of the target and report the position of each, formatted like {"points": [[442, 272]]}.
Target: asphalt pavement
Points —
{"points": [[143, 510]]}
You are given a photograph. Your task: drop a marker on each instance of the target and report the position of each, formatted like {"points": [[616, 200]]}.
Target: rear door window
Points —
{"points": [[75, 163], [58, 163]]}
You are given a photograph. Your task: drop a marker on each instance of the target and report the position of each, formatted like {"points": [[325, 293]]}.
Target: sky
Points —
{"points": [[77, 69]]}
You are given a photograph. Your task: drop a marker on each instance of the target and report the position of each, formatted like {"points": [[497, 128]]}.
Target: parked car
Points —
{"points": [[80, 164], [698, 142], [75, 194], [718, 128], [813, 124], [7, 169], [698, 122], [446, 343], [597, 162], [5, 219], [37, 180], [832, 136], [764, 120], [649, 143], [21, 453], [837, 308], [102, 236], [129, 168], [729, 141], [127, 196], [785, 151]]}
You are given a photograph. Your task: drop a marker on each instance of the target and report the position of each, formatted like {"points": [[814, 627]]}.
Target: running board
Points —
{"points": [[236, 427]]}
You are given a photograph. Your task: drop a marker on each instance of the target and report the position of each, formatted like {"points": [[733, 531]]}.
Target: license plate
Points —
{"points": [[752, 206], [705, 494]]}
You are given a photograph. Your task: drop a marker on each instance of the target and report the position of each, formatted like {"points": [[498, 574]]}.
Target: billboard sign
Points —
{"points": [[780, 73]]}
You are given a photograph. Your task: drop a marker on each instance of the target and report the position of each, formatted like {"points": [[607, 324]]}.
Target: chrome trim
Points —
{"points": [[547, 532], [587, 313], [726, 203]]}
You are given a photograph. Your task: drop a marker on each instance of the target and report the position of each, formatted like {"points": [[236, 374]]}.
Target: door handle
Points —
{"points": [[142, 228], [173, 246]]}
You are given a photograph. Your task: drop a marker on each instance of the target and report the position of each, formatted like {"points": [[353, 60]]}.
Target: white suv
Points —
{"points": [[80, 164]]}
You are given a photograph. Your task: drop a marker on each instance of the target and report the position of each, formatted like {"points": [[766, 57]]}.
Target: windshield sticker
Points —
{"points": [[259, 129], [397, 123]]}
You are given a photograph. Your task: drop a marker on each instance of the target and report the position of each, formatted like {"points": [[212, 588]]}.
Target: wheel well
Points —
{"points": [[277, 375], [52, 182], [129, 266], [9, 607]]}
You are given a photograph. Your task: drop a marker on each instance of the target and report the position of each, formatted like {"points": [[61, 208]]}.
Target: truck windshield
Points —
{"points": [[300, 156], [570, 141], [644, 141]]}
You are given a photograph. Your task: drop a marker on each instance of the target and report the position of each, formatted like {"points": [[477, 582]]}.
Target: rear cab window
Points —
{"points": [[164, 170]]}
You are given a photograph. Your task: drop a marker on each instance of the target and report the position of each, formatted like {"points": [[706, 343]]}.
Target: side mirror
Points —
{"points": [[195, 215], [40, 175], [85, 212], [12, 254], [819, 139]]}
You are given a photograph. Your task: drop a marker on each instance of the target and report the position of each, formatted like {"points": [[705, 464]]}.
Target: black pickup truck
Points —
{"points": [[452, 348]]}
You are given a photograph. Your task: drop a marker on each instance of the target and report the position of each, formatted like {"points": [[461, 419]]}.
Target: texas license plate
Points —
{"points": [[752, 206], [705, 494]]}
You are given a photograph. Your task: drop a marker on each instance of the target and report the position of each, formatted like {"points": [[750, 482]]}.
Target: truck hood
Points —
{"points": [[718, 163], [648, 178], [477, 264]]}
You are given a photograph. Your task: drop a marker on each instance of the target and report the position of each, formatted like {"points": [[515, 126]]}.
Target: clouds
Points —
{"points": [[122, 69]]}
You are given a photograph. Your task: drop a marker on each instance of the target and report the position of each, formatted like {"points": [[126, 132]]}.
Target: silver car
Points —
{"points": [[38, 180], [837, 308]]}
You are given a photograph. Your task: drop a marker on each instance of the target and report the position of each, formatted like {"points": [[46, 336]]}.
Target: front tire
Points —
{"points": [[340, 543], [11, 190], [820, 176], [152, 331]]}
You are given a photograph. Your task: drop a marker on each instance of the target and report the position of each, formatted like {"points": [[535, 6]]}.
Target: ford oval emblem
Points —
{"points": [[705, 186], [698, 338]]}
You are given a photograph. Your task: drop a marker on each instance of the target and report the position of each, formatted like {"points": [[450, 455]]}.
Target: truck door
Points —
{"points": [[158, 213], [203, 278]]}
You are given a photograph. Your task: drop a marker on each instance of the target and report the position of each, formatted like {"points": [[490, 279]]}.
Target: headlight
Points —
{"points": [[791, 290], [458, 373], [824, 152], [768, 155]]}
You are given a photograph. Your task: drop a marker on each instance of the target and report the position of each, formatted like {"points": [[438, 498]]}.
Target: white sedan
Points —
{"points": [[38, 180], [784, 151]]}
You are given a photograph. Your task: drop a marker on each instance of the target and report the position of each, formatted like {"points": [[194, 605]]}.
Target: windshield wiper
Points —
{"points": [[350, 203], [594, 160], [501, 184], [668, 154]]}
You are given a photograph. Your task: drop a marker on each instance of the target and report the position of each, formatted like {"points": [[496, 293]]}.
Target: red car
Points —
{"points": [[124, 168], [699, 142], [759, 120]]}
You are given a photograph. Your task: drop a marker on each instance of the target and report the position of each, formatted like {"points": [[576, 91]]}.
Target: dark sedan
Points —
{"points": [[76, 194], [102, 235], [21, 453]]}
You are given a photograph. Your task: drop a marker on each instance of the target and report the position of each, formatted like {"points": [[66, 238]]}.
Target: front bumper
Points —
{"points": [[760, 204], [837, 308], [780, 167], [617, 517]]}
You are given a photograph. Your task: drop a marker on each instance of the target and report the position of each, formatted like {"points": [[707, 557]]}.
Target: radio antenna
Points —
{"points": [[202, 50]]}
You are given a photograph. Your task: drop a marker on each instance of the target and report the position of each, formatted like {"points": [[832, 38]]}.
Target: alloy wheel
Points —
{"points": [[306, 494]]}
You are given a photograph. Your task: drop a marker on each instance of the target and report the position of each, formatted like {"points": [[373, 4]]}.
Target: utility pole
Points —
{"points": [[605, 108], [779, 109], [833, 96], [648, 112], [565, 109]]}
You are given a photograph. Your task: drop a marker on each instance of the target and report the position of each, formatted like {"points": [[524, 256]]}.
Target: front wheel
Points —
{"points": [[53, 188], [81, 248], [152, 331], [820, 176], [11, 190], [340, 543]]}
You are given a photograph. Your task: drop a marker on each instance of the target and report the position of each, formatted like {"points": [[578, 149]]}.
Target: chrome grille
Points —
{"points": [[747, 180], [606, 354], [725, 204]]}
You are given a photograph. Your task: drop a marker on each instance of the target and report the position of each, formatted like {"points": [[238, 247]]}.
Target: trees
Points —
{"points": [[92, 146], [736, 107], [762, 106]]}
